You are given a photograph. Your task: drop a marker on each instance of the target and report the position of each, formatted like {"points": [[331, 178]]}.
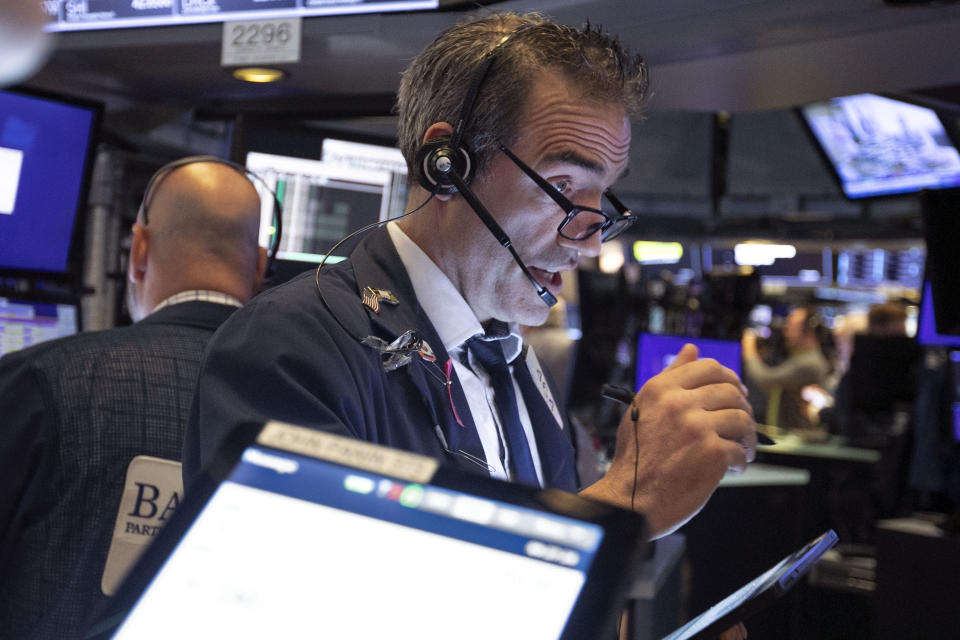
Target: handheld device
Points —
{"points": [[757, 594]]}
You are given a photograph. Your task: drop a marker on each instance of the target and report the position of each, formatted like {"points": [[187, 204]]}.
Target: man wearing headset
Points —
{"points": [[514, 128], [80, 413]]}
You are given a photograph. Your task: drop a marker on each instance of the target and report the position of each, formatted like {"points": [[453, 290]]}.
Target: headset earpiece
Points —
{"points": [[436, 159]]}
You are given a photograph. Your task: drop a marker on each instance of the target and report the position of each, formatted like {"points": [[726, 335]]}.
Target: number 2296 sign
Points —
{"points": [[260, 42]]}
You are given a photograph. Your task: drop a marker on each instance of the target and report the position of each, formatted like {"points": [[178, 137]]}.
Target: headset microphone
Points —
{"points": [[445, 165], [548, 298]]}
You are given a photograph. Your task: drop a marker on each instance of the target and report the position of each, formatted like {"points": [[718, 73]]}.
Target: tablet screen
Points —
{"points": [[308, 530], [757, 593]]}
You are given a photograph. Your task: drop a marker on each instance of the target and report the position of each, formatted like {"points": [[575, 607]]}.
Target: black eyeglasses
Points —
{"points": [[592, 220]]}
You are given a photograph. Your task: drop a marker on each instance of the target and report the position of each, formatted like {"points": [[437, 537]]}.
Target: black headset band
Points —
{"points": [[479, 77], [252, 176]]}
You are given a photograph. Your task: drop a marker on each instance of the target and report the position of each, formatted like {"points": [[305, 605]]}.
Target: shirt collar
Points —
{"points": [[446, 308], [199, 295]]}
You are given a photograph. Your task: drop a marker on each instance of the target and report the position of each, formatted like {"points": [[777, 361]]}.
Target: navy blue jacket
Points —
{"points": [[296, 353], [73, 413]]}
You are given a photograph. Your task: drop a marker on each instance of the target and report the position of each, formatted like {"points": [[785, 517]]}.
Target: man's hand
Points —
{"points": [[693, 424]]}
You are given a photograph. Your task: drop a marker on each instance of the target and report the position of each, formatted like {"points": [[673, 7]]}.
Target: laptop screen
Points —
{"points": [[288, 543]]}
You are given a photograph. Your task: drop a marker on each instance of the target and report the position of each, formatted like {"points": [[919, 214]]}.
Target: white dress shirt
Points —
{"points": [[456, 323]]}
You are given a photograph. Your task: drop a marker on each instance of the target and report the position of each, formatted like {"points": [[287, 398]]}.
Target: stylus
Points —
{"points": [[621, 394]]}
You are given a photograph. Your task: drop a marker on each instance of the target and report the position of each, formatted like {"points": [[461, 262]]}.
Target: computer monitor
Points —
{"points": [[293, 529], [322, 202], [377, 157], [927, 333], [24, 323], [46, 158], [656, 351], [871, 267], [940, 211], [879, 146], [883, 372]]}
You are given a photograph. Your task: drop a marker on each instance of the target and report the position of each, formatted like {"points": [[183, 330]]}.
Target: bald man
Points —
{"points": [[92, 425]]}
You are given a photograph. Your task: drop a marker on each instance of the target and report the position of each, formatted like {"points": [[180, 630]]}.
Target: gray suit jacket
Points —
{"points": [[73, 413]]}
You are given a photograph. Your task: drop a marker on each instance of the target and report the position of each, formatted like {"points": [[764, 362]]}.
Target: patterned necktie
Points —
{"points": [[489, 354]]}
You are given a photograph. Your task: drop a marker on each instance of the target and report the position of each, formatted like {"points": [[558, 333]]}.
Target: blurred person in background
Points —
{"points": [[23, 45], [805, 365]]}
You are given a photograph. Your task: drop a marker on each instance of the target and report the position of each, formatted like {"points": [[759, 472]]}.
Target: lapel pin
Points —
{"points": [[372, 297]]}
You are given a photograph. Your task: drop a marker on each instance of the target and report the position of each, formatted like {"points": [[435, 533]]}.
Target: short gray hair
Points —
{"points": [[434, 86]]}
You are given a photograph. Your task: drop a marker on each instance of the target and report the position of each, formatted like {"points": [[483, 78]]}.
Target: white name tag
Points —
{"points": [[151, 493], [541, 381]]}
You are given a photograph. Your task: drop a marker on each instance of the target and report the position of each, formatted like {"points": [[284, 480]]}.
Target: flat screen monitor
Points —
{"points": [[24, 323], [879, 146], [303, 530], [955, 397], [927, 333], [46, 158], [375, 157], [870, 267], [656, 351], [883, 372], [322, 202], [941, 228]]}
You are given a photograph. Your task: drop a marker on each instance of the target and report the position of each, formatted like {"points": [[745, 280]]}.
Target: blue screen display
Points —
{"points": [[655, 352], [44, 151], [927, 325]]}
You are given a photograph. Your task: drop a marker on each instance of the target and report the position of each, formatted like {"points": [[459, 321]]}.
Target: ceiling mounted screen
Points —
{"points": [[75, 15], [878, 146]]}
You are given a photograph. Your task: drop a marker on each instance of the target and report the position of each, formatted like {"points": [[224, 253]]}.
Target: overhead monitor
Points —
{"points": [[74, 15], [878, 146], [24, 323], [46, 158], [322, 202], [871, 267]]}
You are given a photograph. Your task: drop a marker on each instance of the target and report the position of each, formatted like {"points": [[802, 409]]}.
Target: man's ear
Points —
{"points": [[439, 130], [139, 249]]}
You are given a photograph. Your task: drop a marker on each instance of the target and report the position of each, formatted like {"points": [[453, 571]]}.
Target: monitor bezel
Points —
{"points": [[73, 272]]}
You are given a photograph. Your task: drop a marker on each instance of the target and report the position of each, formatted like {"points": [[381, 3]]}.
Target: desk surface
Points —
{"points": [[766, 475], [789, 444]]}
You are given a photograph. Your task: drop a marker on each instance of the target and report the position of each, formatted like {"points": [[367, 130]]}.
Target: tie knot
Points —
{"points": [[488, 351]]}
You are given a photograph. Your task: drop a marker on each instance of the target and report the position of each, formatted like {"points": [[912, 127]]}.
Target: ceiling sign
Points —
{"points": [[249, 42]]}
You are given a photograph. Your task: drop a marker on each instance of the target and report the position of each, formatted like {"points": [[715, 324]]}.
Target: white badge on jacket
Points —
{"points": [[151, 493]]}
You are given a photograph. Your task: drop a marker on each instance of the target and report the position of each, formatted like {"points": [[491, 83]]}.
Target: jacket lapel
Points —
{"points": [[557, 456], [392, 308]]}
